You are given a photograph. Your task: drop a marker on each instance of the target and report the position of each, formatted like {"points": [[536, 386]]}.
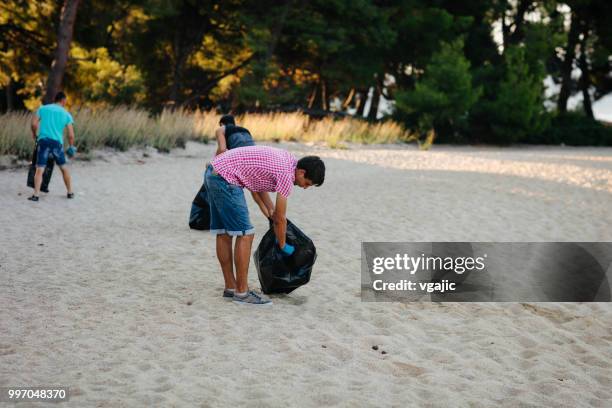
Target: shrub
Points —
{"points": [[575, 129]]}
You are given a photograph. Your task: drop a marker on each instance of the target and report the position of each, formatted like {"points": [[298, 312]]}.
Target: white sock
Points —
{"points": [[243, 294], [230, 290]]}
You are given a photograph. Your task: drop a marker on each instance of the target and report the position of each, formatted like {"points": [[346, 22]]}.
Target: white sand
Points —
{"points": [[112, 295]]}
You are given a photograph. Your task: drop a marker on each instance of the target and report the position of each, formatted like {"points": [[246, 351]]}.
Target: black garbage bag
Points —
{"points": [[279, 273], [44, 187], [199, 218]]}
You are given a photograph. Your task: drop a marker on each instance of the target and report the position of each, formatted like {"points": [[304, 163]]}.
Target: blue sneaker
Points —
{"points": [[228, 293], [252, 298]]}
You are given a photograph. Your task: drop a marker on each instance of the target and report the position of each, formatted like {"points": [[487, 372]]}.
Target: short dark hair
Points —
{"points": [[60, 96], [314, 169], [227, 120]]}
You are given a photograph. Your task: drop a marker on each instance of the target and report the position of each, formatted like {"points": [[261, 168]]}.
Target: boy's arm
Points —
{"points": [[261, 204], [221, 143], [70, 134], [280, 219], [267, 201], [34, 125]]}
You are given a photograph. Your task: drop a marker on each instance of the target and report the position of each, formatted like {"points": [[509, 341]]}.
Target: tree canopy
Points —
{"points": [[473, 71]]}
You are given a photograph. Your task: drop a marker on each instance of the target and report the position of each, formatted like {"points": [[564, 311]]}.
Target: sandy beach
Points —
{"points": [[112, 295]]}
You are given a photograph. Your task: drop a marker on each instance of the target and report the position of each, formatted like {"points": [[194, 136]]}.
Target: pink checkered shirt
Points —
{"points": [[258, 168]]}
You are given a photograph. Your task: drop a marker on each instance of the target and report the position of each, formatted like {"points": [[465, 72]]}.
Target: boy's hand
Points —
{"points": [[71, 151], [288, 249]]}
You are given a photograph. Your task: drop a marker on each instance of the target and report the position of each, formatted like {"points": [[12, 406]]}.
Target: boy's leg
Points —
{"points": [[67, 178], [224, 254], [242, 256], [60, 159], [38, 176], [42, 156], [223, 240], [230, 216]]}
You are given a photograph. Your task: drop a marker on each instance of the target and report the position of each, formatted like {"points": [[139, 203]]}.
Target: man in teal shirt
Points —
{"points": [[48, 131]]}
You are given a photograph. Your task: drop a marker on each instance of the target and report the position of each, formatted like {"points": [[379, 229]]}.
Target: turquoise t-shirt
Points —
{"points": [[53, 119]]}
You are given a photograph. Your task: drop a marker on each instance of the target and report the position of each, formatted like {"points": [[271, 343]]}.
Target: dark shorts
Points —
{"points": [[229, 213], [47, 147]]}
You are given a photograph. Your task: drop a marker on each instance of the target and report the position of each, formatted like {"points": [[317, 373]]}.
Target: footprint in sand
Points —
{"points": [[6, 349], [164, 388], [162, 379], [405, 369], [528, 354]]}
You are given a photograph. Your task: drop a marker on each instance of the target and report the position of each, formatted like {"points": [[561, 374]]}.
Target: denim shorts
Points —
{"points": [[48, 147], [229, 213]]}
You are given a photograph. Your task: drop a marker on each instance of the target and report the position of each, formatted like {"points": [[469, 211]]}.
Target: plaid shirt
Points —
{"points": [[258, 168]]}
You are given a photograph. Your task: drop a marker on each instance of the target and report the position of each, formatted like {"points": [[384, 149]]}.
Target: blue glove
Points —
{"points": [[288, 249], [71, 151]]}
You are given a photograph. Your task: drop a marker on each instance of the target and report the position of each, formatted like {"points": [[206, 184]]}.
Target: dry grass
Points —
{"points": [[122, 128], [15, 135]]}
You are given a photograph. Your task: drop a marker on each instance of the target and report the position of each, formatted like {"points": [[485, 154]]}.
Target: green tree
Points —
{"points": [[329, 48], [588, 46], [185, 47], [27, 35], [515, 112], [98, 79], [443, 96]]}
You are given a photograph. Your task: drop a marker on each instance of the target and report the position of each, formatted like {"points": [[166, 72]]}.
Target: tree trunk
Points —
{"points": [[585, 82], [373, 113], [9, 95], [568, 63], [519, 21], [60, 59], [505, 30], [313, 95], [349, 98], [323, 96], [177, 67], [363, 97]]}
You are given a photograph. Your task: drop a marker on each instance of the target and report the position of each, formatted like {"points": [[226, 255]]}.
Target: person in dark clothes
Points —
{"points": [[230, 136]]}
